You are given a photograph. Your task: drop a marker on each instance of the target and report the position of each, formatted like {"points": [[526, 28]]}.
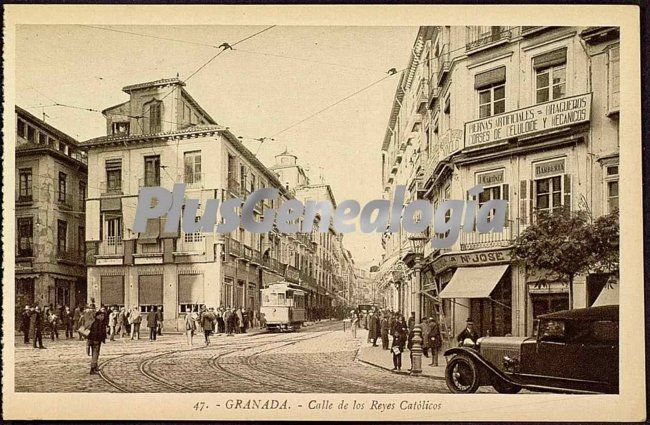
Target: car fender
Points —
{"points": [[488, 369]]}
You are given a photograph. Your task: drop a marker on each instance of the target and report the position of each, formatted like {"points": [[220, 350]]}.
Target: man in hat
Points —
{"points": [[36, 327], [24, 323], [468, 332], [96, 337], [434, 338]]}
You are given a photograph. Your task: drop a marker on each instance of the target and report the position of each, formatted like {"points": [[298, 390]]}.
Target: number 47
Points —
{"points": [[199, 406]]}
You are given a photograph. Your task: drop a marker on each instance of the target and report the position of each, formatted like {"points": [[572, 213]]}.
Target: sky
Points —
{"points": [[250, 89]]}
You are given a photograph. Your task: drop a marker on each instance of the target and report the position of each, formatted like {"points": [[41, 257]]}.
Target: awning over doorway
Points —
{"points": [[474, 282], [608, 296]]}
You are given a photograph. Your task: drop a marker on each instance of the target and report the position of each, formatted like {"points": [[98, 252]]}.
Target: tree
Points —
{"points": [[567, 243]]}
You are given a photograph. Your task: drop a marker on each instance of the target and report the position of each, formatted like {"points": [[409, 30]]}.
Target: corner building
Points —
{"points": [[51, 185], [530, 113]]}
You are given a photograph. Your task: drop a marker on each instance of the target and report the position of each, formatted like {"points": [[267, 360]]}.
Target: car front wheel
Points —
{"points": [[462, 375]]}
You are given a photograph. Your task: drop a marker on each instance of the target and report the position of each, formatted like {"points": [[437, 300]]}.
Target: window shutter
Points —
{"points": [[531, 203], [567, 190], [523, 201], [556, 57], [190, 289], [506, 197], [150, 290], [112, 290], [490, 78]]}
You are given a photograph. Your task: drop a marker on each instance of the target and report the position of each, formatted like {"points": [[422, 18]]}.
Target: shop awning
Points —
{"points": [[474, 282], [608, 296]]}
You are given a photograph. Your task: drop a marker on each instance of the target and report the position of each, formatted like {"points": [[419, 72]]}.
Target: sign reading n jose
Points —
{"points": [[522, 122]]}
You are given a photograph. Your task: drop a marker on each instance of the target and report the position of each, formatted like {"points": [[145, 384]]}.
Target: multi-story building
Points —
{"points": [[331, 261], [531, 114], [158, 137], [51, 187]]}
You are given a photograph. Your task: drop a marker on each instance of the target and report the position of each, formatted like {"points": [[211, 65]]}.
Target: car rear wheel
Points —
{"points": [[505, 388], [462, 375]]}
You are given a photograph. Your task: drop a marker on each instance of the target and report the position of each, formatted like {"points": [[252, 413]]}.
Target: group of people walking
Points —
{"points": [[394, 330], [224, 320]]}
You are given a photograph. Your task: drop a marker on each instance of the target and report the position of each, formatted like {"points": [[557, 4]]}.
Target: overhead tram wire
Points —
{"points": [[196, 43]]}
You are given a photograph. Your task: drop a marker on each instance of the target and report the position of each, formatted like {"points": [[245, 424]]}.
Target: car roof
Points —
{"points": [[605, 312]]}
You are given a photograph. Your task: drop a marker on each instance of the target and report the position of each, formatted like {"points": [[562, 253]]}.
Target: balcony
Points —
{"points": [[110, 190], [193, 180], [234, 187], [148, 182], [423, 95], [65, 200], [476, 240], [443, 64], [147, 249], [234, 247], [112, 246], [70, 256], [525, 31], [193, 243], [25, 198], [434, 90], [485, 37]]}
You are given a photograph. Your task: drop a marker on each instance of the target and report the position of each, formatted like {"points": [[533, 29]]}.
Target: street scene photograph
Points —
{"points": [[445, 217]]}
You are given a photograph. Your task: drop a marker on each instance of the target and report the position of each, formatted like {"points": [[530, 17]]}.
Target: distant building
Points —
{"points": [[51, 187]]}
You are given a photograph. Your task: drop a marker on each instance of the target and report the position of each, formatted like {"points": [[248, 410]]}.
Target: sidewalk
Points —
{"points": [[376, 356]]}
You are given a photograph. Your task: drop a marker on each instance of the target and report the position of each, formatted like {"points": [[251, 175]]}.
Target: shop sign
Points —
{"points": [[549, 168], [292, 274], [471, 259], [108, 261], [491, 178], [450, 143], [527, 121]]}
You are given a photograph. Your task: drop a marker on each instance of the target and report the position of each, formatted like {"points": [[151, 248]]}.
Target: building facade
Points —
{"points": [[51, 187], [159, 137], [529, 113]]}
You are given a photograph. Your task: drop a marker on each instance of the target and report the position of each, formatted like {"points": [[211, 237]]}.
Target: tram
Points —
{"points": [[283, 306]]}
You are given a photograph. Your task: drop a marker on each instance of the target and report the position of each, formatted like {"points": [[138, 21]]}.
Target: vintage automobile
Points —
{"points": [[572, 351]]}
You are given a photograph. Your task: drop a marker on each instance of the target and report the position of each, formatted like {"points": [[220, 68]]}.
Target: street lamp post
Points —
{"points": [[417, 245]]}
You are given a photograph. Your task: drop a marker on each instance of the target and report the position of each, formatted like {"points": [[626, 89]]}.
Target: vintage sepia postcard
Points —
{"points": [[322, 213]]}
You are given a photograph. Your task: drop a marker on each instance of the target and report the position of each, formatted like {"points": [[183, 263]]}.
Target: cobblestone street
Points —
{"points": [[318, 358]]}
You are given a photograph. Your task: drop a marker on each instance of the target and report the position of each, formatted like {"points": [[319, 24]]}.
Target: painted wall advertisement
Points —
{"points": [[524, 122]]}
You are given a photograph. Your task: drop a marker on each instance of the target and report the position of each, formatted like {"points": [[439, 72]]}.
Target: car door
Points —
{"points": [[598, 356]]}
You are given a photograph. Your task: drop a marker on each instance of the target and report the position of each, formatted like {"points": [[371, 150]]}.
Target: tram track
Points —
{"points": [[249, 362]]}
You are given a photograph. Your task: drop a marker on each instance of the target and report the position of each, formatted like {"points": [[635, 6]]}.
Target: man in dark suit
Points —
{"points": [[152, 323], [24, 323], [468, 332]]}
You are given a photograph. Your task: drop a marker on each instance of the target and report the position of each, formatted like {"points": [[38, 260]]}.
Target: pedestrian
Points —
{"points": [[87, 318], [411, 322], [262, 320], [76, 319], [53, 321], [221, 324], [374, 328], [24, 323], [96, 337], [68, 322], [399, 340], [239, 327], [435, 340], [391, 323], [160, 320], [468, 333], [152, 323], [36, 327], [190, 326], [355, 324], [207, 323], [383, 326], [409, 344], [112, 323], [135, 319], [425, 327], [121, 322]]}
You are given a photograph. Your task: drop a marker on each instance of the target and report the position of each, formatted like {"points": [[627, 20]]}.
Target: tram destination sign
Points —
{"points": [[527, 121]]}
